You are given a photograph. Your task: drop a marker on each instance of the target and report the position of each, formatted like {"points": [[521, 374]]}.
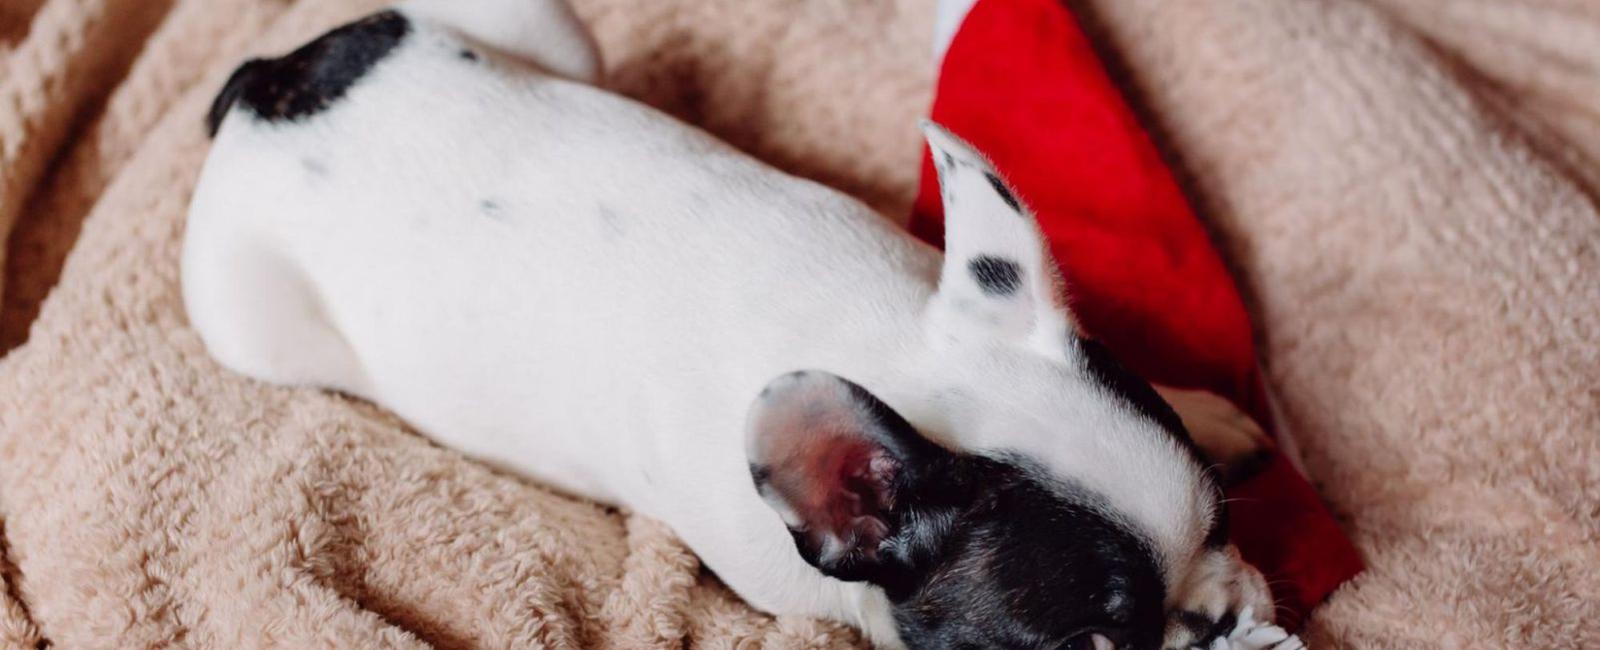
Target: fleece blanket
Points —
{"points": [[1404, 189]]}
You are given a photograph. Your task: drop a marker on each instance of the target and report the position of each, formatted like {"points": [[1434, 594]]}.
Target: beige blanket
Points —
{"points": [[1405, 188]]}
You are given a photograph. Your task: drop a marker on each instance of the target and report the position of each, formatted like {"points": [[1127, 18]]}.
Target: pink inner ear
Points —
{"points": [[846, 487]]}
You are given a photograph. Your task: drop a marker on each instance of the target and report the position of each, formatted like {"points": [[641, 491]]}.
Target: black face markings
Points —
{"points": [[1031, 564], [995, 276], [1004, 192], [468, 54], [310, 79]]}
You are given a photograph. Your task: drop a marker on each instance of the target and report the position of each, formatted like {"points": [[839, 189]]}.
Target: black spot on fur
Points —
{"points": [[491, 209], [995, 276], [1223, 626], [469, 54], [1203, 630], [310, 79], [949, 160], [1004, 192], [231, 90]]}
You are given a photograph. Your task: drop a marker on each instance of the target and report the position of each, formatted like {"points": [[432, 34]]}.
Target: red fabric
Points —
{"points": [[1021, 83]]}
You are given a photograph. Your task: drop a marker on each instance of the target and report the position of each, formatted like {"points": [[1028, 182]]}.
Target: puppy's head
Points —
{"points": [[1044, 497]]}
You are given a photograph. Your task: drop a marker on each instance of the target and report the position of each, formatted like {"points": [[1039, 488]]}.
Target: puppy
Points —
{"points": [[435, 209]]}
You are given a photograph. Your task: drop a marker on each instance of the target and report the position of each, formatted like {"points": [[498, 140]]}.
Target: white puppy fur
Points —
{"points": [[569, 285]]}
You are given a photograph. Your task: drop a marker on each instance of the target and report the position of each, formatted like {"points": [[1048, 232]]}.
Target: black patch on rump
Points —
{"points": [[995, 276], [1004, 192], [1137, 393], [310, 79]]}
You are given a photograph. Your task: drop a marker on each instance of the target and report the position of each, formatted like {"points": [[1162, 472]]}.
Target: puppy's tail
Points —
{"points": [[545, 33]]}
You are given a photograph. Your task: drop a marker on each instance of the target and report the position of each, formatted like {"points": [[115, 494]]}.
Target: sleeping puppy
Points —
{"points": [[435, 209]]}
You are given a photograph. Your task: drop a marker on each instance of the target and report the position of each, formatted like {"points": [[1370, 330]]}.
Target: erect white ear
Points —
{"points": [[998, 278]]}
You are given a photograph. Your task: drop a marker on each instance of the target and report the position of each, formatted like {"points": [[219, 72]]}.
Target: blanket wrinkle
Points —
{"points": [[170, 61], [1405, 190], [75, 51], [1544, 67]]}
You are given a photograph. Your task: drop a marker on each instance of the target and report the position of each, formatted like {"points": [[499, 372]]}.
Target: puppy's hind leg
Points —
{"points": [[1226, 435], [258, 315]]}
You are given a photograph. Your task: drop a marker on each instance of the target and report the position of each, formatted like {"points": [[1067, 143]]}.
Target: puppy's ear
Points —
{"points": [[836, 463], [998, 278]]}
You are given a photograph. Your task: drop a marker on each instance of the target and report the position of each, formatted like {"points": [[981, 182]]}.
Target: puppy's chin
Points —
{"points": [[1218, 589]]}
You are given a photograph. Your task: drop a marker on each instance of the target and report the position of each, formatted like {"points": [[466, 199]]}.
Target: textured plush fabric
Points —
{"points": [[1399, 185]]}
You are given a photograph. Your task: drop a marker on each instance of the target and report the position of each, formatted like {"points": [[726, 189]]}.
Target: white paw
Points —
{"points": [[1250, 634]]}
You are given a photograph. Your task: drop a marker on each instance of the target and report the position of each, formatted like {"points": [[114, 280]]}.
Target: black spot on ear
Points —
{"points": [[1004, 192], [995, 276], [310, 79], [469, 54]]}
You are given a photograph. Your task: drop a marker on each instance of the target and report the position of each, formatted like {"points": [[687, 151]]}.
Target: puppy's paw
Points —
{"points": [[1251, 634], [1226, 435]]}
